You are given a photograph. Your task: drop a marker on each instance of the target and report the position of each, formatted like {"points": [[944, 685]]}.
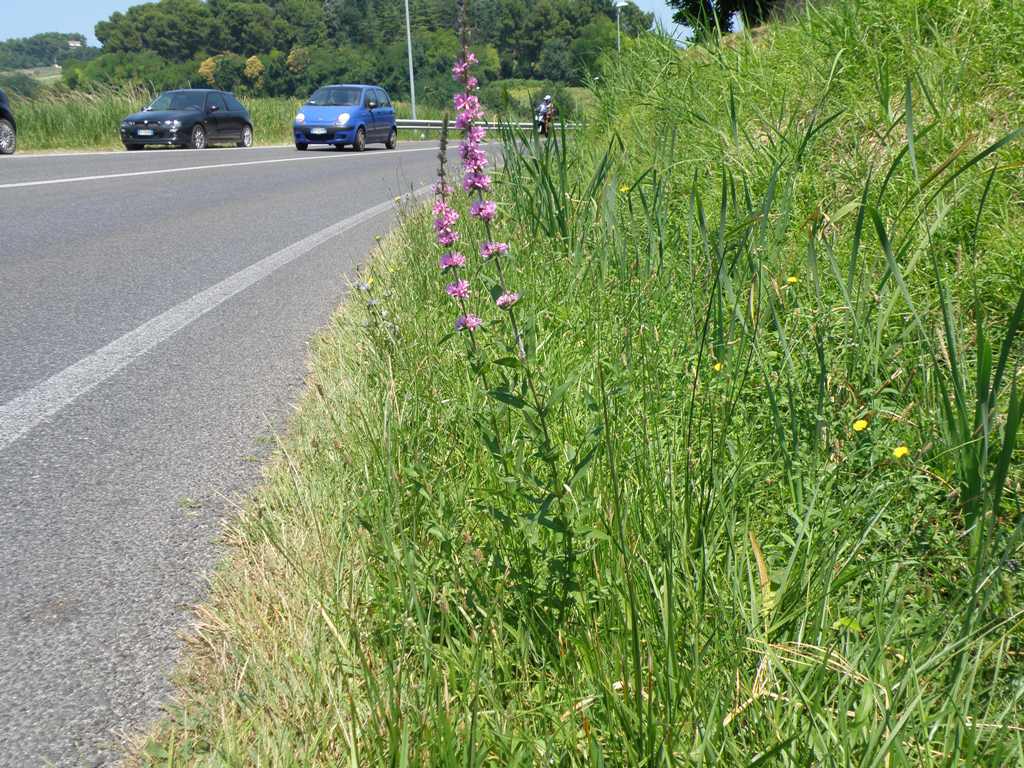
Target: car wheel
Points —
{"points": [[301, 147], [246, 138], [360, 143], [198, 140], [8, 138], [392, 141], [132, 147]]}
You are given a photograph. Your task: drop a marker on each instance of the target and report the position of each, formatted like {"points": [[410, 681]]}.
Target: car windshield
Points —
{"points": [[336, 97], [177, 101]]}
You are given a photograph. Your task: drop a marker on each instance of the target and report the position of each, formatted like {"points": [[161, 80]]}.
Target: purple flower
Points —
{"points": [[507, 300], [458, 290], [476, 134], [445, 222], [487, 250], [447, 237], [469, 106], [485, 210], [461, 68], [472, 83], [474, 159], [452, 259], [445, 213], [467, 102], [478, 181], [442, 188], [468, 323], [462, 122]]}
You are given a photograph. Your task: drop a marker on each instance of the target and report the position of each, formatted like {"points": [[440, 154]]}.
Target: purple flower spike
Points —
{"points": [[446, 215], [487, 250], [507, 300], [485, 210], [461, 69], [478, 181], [452, 259], [447, 237], [468, 323], [458, 290]]}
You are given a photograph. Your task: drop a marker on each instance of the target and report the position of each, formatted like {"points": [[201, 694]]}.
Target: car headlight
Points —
{"points": [[300, 118], [126, 124], [343, 119], [173, 123]]}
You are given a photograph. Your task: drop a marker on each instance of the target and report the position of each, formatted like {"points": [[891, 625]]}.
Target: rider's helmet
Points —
{"points": [[547, 98]]}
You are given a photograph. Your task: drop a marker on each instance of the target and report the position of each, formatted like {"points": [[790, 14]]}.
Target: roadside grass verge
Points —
{"points": [[773, 303]]}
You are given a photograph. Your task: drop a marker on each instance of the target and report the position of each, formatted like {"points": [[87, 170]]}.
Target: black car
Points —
{"points": [[194, 117], [8, 128]]}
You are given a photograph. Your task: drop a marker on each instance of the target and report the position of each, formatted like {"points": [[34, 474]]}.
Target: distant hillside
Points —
{"points": [[44, 50]]}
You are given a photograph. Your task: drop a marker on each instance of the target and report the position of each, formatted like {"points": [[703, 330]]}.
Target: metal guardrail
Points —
{"points": [[437, 124]]}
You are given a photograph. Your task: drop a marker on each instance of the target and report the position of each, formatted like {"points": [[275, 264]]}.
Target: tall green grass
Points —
{"points": [[773, 305]]}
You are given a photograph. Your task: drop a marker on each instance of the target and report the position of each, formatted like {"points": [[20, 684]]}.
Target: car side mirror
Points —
{"points": [[371, 105], [213, 108]]}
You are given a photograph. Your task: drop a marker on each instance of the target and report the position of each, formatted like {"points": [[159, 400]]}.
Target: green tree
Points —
{"points": [[706, 16], [303, 43], [597, 38], [174, 29], [305, 20], [254, 71], [44, 50], [556, 62], [248, 26]]}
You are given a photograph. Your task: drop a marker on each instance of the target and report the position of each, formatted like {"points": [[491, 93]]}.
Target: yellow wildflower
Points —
{"points": [[717, 366], [792, 279], [860, 425], [624, 188], [900, 451]]}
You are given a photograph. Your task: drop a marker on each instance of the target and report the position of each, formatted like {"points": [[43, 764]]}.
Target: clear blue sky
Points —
{"points": [[24, 18]]}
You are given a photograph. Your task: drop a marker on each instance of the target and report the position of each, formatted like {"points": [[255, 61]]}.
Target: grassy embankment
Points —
{"points": [[762, 505]]}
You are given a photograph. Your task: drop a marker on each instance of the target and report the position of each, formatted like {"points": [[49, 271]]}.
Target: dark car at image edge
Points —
{"points": [[8, 127], [190, 117]]}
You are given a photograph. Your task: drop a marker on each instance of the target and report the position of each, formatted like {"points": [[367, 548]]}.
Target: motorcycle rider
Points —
{"points": [[545, 115]]}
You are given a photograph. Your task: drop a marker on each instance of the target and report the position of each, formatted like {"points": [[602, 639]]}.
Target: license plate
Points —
{"points": [[145, 132], [318, 131]]}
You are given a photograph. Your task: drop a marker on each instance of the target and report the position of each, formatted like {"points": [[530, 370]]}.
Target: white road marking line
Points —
{"points": [[43, 154], [22, 414], [75, 179]]}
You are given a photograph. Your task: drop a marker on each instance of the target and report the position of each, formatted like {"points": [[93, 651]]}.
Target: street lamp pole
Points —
{"points": [[408, 42], [618, 24]]}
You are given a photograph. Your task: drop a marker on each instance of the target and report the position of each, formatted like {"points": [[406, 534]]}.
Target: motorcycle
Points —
{"points": [[543, 120]]}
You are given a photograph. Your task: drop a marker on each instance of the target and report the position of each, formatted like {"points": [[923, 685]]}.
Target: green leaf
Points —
{"points": [[848, 624], [508, 398]]}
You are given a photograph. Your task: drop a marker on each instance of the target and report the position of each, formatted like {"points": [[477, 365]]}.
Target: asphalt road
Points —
{"points": [[155, 309]]}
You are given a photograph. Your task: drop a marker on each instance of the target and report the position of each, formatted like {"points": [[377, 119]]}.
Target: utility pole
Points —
{"points": [[408, 42]]}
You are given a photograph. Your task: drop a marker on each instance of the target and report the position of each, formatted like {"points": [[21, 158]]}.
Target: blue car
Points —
{"points": [[340, 115]]}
